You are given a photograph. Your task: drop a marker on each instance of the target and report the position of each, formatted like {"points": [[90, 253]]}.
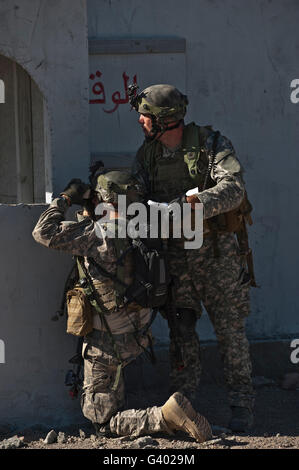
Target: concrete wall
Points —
{"points": [[37, 349], [49, 39]]}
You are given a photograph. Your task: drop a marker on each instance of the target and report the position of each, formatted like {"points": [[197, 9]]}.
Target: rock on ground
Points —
{"points": [[12, 443], [51, 437], [142, 442], [275, 424], [61, 438]]}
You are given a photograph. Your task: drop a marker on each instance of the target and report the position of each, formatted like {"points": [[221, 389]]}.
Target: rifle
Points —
{"points": [[71, 280], [73, 379], [242, 236], [172, 319]]}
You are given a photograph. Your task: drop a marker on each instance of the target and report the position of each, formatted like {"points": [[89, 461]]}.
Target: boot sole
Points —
{"points": [[178, 409]]}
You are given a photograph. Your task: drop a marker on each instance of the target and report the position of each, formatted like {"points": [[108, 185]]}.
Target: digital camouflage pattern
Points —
{"points": [[99, 402], [82, 239], [221, 283], [165, 176], [109, 185]]}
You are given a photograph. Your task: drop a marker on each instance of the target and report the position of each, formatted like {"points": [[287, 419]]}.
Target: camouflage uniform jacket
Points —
{"points": [[227, 186], [82, 239]]}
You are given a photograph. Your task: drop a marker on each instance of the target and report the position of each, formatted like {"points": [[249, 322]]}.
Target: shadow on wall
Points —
{"points": [[24, 152]]}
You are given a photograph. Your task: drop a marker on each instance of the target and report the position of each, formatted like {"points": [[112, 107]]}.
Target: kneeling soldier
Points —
{"points": [[118, 332]]}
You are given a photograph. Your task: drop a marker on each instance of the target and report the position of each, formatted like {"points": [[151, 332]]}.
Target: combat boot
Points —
{"points": [[241, 419], [102, 430], [180, 416]]}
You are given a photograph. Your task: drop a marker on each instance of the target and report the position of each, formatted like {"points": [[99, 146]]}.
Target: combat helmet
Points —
{"points": [[110, 184], [164, 103]]}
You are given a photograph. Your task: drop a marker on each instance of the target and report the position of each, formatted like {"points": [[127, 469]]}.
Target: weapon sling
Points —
{"points": [[105, 273], [96, 302], [212, 221]]}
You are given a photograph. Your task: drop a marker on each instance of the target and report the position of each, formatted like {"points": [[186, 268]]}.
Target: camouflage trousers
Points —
{"points": [[103, 405], [221, 285]]}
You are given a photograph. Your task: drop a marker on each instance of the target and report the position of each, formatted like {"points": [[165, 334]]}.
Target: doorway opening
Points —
{"points": [[24, 137]]}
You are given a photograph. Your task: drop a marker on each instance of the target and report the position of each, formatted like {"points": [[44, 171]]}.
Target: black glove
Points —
{"points": [[75, 191], [88, 205]]}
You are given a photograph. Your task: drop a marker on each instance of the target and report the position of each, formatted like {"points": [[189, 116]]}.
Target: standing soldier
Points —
{"points": [[174, 159], [114, 333]]}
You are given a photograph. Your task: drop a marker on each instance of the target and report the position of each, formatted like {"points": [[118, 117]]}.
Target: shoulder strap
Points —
{"points": [[93, 297], [191, 140], [106, 273], [212, 157], [194, 145]]}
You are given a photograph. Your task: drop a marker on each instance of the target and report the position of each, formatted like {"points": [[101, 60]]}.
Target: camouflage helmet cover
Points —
{"points": [[111, 184], [163, 101]]}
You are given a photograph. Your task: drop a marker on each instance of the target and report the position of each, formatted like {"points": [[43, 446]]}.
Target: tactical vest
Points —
{"points": [[141, 277], [173, 176], [109, 290]]}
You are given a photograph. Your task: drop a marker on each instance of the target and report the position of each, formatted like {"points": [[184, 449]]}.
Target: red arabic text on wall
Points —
{"points": [[99, 95]]}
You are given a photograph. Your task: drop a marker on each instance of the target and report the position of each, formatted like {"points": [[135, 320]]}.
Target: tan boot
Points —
{"points": [[180, 416]]}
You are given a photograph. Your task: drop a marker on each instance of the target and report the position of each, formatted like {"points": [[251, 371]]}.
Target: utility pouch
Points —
{"points": [[79, 313], [233, 220]]}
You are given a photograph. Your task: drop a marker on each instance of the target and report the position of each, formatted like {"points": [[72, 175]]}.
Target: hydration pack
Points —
{"points": [[151, 274], [150, 279]]}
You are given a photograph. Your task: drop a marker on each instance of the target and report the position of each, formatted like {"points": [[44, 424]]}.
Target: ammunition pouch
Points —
{"points": [[227, 222], [79, 313], [235, 222], [232, 221]]}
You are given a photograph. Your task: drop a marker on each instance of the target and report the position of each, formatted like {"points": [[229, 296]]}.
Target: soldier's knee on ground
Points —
{"points": [[99, 407], [99, 400]]}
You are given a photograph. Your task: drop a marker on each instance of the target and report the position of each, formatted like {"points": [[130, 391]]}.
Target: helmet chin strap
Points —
{"points": [[157, 128]]}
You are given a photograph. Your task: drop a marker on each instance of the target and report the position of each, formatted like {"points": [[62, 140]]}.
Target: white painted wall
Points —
{"points": [[37, 349], [49, 39], [113, 127]]}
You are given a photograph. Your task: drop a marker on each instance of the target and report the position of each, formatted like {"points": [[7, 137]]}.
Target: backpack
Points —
{"points": [[149, 287], [151, 274]]}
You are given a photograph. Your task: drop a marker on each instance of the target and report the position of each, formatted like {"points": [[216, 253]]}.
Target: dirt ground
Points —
{"points": [[276, 425]]}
